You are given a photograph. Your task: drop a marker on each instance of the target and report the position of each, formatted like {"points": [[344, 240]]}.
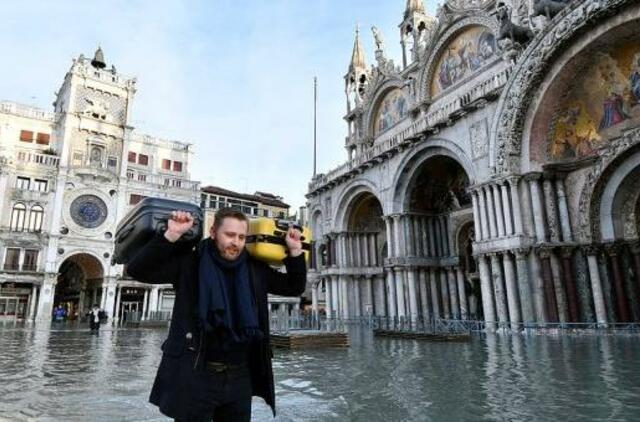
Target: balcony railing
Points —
{"points": [[25, 111], [26, 156]]}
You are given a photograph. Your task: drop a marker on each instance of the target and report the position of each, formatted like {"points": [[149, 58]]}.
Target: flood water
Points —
{"points": [[72, 375]]}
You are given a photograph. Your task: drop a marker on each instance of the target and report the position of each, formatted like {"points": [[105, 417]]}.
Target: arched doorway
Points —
{"points": [[78, 287], [437, 208]]}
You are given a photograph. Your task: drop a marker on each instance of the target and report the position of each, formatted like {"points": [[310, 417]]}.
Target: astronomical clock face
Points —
{"points": [[88, 211]]}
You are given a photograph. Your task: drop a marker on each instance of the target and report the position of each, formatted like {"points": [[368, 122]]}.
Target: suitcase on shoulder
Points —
{"points": [[146, 219], [265, 239]]}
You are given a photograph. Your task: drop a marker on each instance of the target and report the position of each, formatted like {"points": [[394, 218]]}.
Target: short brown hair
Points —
{"points": [[223, 213]]}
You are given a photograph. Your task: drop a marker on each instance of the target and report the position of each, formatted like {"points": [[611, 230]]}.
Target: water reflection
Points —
{"points": [[60, 374]]}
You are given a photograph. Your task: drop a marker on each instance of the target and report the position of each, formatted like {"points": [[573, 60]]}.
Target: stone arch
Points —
{"points": [[431, 60], [408, 168], [377, 96], [610, 212], [559, 37], [75, 272], [348, 199]]}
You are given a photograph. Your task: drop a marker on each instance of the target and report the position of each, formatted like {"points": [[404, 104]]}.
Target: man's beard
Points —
{"points": [[230, 253]]}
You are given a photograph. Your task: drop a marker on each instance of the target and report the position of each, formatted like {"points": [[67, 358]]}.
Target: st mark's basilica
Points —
{"points": [[492, 173]]}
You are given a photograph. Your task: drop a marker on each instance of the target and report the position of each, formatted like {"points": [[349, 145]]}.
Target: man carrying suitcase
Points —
{"points": [[217, 355]]}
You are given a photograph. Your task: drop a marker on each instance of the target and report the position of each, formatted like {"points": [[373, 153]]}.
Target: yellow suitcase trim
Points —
{"points": [[265, 240]]}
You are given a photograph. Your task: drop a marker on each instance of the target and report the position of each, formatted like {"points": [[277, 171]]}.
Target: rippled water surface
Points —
{"points": [[71, 375]]}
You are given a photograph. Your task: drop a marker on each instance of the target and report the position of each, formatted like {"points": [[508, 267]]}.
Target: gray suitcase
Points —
{"points": [[146, 219]]}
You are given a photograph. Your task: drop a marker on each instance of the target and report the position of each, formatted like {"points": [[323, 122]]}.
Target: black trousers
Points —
{"points": [[221, 396]]}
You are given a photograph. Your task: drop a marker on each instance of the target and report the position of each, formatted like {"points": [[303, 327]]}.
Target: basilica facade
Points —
{"points": [[491, 175], [67, 176]]}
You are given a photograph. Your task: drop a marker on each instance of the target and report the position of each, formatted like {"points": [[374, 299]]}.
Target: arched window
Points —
{"points": [[35, 218], [18, 216]]}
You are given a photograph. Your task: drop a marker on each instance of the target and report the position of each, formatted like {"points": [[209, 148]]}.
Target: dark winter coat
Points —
{"points": [[161, 261]]}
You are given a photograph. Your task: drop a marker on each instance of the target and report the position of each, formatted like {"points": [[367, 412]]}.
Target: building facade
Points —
{"points": [[491, 174], [67, 177]]}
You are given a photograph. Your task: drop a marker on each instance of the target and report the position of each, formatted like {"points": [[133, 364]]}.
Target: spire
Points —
{"points": [[413, 6], [357, 57], [98, 59]]}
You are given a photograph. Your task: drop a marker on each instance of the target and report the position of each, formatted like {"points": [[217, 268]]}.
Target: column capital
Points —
{"points": [[592, 249], [521, 253], [613, 249], [513, 180], [544, 251], [566, 251], [532, 176]]}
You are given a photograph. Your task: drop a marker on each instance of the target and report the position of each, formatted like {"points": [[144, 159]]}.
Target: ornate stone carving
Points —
{"points": [[478, 133], [548, 8], [461, 6], [588, 207], [530, 71], [517, 34]]}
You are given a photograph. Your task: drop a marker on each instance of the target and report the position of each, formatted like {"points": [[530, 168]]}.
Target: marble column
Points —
{"points": [[445, 235], [417, 236], [335, 297], [407, 225], [499, 290], [453, 292], [497, 200], [399, 278], [622, 305], [144, 305], [314, 300], [491, 211], [538, 212], [563, 208], [388, 232], [380, 296], [357, 312], [438, 236], [506, 208], [551, 211], [444, 291], [524, 286], [476, 215], [515, 206], [424, 292], [116, 315], [413, 293], [537, 288], [462, 294], [484, 217], [486, 289], [596, 285], [424, 235], [345, 282], [328, 308], [549, 289], [432, 237], [569, 284], [558, 285], [370, 302], [399, 241], [391, 294], [32, 302], [512, 290], [435, 293]]}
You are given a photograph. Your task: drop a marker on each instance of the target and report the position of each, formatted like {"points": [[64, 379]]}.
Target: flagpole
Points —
{"points": [[315, 115]]}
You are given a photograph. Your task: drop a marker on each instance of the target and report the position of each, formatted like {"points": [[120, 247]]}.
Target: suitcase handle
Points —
{"points": [[284, 225], [126, 232]]}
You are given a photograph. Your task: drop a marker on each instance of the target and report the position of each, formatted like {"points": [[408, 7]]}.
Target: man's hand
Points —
{"points": [[294, 242], [178, 224]]}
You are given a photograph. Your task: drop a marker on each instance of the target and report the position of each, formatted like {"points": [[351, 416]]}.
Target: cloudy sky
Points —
{"points": [[233, 77]]}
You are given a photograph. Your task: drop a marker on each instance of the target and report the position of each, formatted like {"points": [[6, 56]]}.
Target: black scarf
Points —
{"points": [[214, 309]]}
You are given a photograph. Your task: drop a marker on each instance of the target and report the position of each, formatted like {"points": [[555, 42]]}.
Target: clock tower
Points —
{"points": [[92, 137]]}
